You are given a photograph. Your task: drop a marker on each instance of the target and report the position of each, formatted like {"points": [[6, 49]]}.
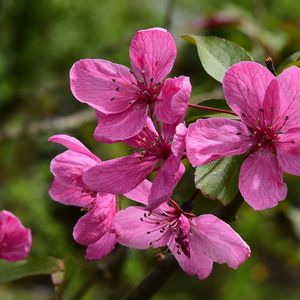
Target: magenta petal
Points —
{"points": [[260, 181], [69, 166], [152, 54], [102, 247], [198, 264], [72, 144], [121, 126], [172, 102], [140, 193], [119, 175], [97, 221], [214, 138], [69, 194], [103, 85], [283, 99], [134, 230], [244, 85], [219, 241], [178, 144], [165, 181], [15, 239], [288, 151]]}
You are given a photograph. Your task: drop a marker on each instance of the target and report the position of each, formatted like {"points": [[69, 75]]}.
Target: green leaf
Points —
{"points": [[195, 114], [292, 60], [29, 267], [218, 180], [217, 54]]}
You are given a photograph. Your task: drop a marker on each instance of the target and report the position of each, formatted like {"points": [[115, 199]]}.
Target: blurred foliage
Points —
{"points": [[39, 42]]}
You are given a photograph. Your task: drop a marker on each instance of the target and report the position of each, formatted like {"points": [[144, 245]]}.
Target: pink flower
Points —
{"points": [[162, 149], [269, 131], [15, 239], [92, 229], [121, 96], [196, 242]]}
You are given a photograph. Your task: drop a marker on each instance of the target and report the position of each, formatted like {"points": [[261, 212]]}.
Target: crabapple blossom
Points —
{"points": [[268, 133], [122, 97]]}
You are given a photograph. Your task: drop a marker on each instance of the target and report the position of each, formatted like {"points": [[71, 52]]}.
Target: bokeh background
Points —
{"points": [[39, 41]]}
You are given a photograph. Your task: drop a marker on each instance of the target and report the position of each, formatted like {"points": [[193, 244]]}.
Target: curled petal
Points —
{"points": [[140, 193], [72, 144], [260, 181], [121, 126], [97, 221], [244, 85], [172, 102], [219, 241], [101, 247], [211, 139], [178, 145], [103, 85], [152, 54], [119, 175]]}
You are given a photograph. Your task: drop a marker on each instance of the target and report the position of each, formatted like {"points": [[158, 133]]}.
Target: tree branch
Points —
{"points": [[166, 268]]}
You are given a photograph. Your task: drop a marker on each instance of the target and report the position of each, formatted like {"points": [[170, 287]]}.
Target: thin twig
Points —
{"points": [[164, 270], [202, 107], [169, 14]]}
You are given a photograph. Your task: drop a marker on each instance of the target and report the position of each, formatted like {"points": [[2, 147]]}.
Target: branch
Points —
{"points": [[55, 124], [166, 268]]}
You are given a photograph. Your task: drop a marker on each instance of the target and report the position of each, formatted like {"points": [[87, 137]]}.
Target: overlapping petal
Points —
{"points": [[152, 54], [119, 175], [171, 103], [15, 239], [121, 126], [260, 181], [219, 241], [103, 85], [210, 139], [244, 85]]}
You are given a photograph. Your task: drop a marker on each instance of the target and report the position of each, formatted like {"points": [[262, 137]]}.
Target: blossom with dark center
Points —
{"points": [[160, 150], [269, 131], [196, 242], [15, 239], [123, 97]]}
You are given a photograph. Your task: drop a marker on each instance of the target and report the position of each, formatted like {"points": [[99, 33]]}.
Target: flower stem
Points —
{"points": [[202, 107]]}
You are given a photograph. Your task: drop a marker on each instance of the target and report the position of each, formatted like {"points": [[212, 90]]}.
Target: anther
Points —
{"points": [[259, 144], [113, 80], [131, 71], [112, 99], [244, 115], [293, 141], [238, 133], [142, 219], [117, 89], [151, 79], [261, 110], [148, 232]]}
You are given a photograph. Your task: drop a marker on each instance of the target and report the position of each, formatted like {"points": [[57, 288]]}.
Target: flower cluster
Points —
{"points": [[146, 110]]}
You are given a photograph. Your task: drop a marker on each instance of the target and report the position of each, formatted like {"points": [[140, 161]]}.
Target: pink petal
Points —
{"points": [[210, 139], [121, 126], [244, 85], [15, 239], [288, 151], [165, 181], [102, 247], [70, 194], [219, 241], [260, 181], [140, 193], [198, 264], [172, 102], [72, 144], [283, 100], [103, 85], [131, 226], [119, 175], [145, 137], [69, 166], [97, 221], [152, 54], [178, 145]]}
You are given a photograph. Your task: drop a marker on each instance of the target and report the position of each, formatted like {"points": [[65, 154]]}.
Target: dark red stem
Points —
{"points": [[202, 107]]}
